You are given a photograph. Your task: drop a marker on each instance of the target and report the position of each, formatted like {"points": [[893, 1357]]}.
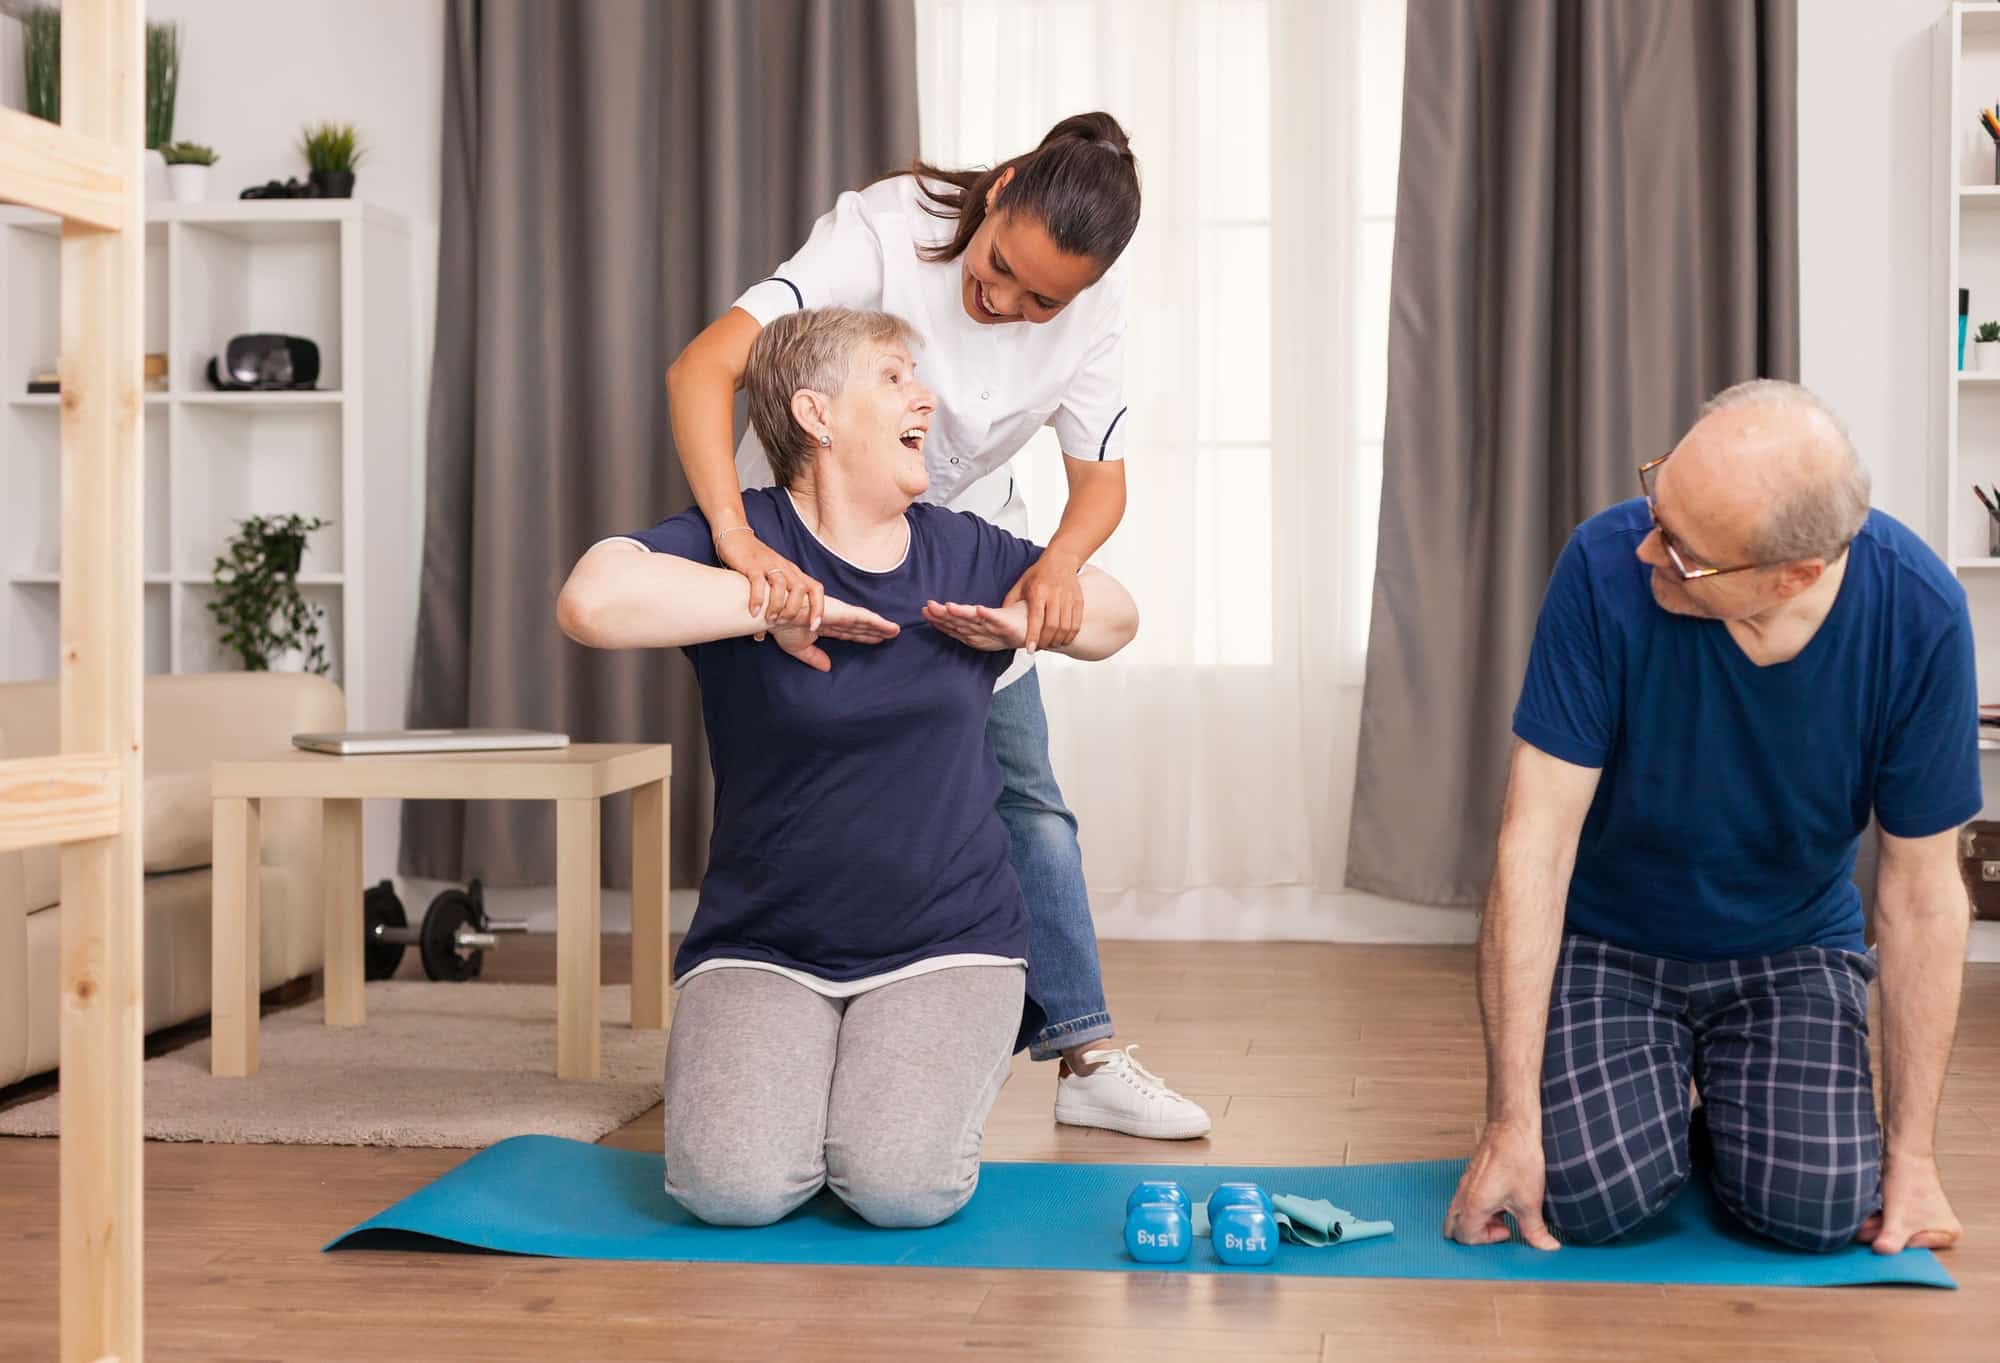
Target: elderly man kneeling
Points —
{"points": [[1729, 675]]}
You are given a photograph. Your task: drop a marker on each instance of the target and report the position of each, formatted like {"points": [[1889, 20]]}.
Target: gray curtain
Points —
{"points": [[614, 174], [1596, 229]]}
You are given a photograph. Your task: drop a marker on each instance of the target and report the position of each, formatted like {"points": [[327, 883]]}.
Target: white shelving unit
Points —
{"points": [[1968, 54], [336, 271], [1966, 76]]}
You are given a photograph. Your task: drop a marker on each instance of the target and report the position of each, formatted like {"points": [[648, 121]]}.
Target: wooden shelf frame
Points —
{"points": [[90, 173]]}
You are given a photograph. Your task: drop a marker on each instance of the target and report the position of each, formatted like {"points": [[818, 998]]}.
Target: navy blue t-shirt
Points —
{"points": [[1733, 796], [855, 822]]}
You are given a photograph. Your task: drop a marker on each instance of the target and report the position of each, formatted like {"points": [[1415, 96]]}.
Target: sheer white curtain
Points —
{"points": [[1211, 765]]}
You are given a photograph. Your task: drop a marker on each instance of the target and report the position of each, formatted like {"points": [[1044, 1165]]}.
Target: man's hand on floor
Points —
{"points": [[1506, 1174], [1914, 1212]]}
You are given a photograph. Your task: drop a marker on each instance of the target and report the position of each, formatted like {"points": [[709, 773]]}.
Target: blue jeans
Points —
{"points": [[1061, 941]]}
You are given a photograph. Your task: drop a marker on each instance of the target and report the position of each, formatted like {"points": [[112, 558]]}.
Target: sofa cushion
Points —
{"points": [[179, 821], [179, 835]]}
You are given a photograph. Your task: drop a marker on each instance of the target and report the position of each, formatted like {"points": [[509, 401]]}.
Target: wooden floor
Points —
{"points": [[1302, 1054]]}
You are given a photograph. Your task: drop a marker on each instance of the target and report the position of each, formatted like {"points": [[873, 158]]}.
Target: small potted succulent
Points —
{"points": [[1986, 346], [187, 170], [332, 151], [266, 620]]}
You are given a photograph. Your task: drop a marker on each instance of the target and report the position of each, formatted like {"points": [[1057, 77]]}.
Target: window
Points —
{"points": [[1250, 508]]}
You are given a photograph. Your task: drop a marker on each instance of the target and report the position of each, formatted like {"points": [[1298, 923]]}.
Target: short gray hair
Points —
{"points": [[812, 349], [1812, 516]]}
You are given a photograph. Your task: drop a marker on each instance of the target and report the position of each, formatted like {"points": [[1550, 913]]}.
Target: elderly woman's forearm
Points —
{"points": [[1110, 617], [622, 596]]}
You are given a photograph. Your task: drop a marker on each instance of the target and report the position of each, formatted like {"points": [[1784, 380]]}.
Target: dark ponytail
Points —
{"points": [[1081, 183]]}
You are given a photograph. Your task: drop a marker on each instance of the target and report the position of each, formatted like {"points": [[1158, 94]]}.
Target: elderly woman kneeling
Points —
{"points": [[856, 977]]}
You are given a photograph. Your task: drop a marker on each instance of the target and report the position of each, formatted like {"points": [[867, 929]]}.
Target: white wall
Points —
{"points": [[1865, 237]]}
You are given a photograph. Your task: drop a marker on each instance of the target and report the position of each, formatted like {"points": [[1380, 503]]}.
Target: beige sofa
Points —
{"points": [[190, 722]]}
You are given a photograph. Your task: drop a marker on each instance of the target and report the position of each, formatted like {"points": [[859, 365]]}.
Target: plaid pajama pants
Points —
{"points": [[1777, 1046]]}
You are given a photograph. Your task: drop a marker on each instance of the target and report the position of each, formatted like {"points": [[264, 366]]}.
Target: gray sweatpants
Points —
{"points": [[774, 1091]]}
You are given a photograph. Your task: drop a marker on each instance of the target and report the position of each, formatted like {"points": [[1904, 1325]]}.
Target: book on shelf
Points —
{"points": [[153, 376]]}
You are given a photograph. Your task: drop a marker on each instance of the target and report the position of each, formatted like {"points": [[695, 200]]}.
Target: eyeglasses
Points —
{"points": [[1687, 574]]}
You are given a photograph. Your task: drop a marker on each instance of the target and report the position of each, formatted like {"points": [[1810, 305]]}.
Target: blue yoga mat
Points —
{"points": [[564, 1199]]}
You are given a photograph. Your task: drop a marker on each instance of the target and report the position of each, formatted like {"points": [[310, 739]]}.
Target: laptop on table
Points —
{"points": [[358, 742]]}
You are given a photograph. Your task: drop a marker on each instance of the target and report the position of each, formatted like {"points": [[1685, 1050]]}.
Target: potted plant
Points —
{"points": [[163, 83], [265, 619], [41, 34], [1986, 346], [187, 170], [332, 151]]}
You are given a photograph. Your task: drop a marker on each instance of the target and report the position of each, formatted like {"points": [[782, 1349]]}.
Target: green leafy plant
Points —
{"points": [[189, 154], [331, 146], [163, 81], [1989, 331], [41, 50], [42, 53], [257, 599]]}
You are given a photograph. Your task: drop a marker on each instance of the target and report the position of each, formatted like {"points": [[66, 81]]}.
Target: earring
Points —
{"points": [[826, 440]]}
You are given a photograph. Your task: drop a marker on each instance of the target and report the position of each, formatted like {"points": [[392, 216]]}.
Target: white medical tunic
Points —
{"points": [[996, 384]]}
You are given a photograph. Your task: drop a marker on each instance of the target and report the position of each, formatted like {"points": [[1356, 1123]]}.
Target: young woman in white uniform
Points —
{"points": [[1010, 275]]}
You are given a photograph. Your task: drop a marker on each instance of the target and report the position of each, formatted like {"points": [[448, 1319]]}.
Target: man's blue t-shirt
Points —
{"points": [[1733, 796], [856, 828]]}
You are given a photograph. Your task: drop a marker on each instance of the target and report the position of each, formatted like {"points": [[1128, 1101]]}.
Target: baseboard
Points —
{"points": [[1278, 913]]}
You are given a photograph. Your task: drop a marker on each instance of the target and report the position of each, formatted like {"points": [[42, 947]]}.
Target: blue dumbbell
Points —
{"points": [[1158, 1233], [1229, 1194], [1244, 1233], [1159, 1190]]}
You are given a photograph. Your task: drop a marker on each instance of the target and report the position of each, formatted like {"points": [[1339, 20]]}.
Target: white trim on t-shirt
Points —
{"points": [[909, 538], [847, 989]]}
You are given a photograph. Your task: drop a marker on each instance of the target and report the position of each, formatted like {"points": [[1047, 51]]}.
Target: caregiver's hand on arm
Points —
{"points": [[621, 595], [1107, 620], [701, 396], [840, 621], [1922, 915], [1520, 936], [1050, 589]]}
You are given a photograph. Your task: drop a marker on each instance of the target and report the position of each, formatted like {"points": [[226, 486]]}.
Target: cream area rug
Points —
{"points": [[436, 1064]]}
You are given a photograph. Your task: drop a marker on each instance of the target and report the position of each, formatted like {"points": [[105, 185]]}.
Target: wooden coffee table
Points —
{"points": [[577, 778]]}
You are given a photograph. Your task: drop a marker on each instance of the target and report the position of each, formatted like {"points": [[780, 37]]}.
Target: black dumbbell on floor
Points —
{"points": [[452, 940]]}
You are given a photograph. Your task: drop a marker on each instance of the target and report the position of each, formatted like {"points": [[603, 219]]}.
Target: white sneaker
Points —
{"points": [[1123, 1095]]}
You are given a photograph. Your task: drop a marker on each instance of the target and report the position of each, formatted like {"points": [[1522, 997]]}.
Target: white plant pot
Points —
{"points": [[190, 183], [156, 176], [1986, 355]]}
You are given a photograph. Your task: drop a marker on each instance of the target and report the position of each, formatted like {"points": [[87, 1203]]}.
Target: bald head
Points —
{"points": [[1772, 463]]}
